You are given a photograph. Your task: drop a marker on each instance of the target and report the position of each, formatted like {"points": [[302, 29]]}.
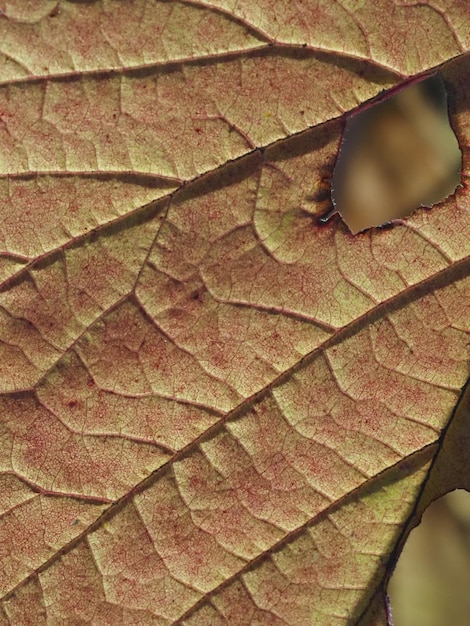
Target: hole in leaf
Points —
{"points": [[431, 582], [396, 155]]}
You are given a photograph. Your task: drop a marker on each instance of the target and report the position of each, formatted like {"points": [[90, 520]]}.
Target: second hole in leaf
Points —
{"points": [[430, 584]]}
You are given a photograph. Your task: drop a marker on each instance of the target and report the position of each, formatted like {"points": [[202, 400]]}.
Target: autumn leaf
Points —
{"points": [[214, 409]]}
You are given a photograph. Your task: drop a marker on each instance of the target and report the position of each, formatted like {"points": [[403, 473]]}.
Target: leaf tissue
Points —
{"points": [[213, 409]]}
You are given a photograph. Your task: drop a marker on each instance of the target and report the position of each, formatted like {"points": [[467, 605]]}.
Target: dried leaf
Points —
{"points": [[215, 410]]}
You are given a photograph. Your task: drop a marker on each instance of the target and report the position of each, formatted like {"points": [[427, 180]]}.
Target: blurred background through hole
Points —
{"points": [[396, 156], [431, 582]]}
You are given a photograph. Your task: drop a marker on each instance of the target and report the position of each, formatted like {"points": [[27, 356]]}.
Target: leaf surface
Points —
{"points": [[215, 410]]}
